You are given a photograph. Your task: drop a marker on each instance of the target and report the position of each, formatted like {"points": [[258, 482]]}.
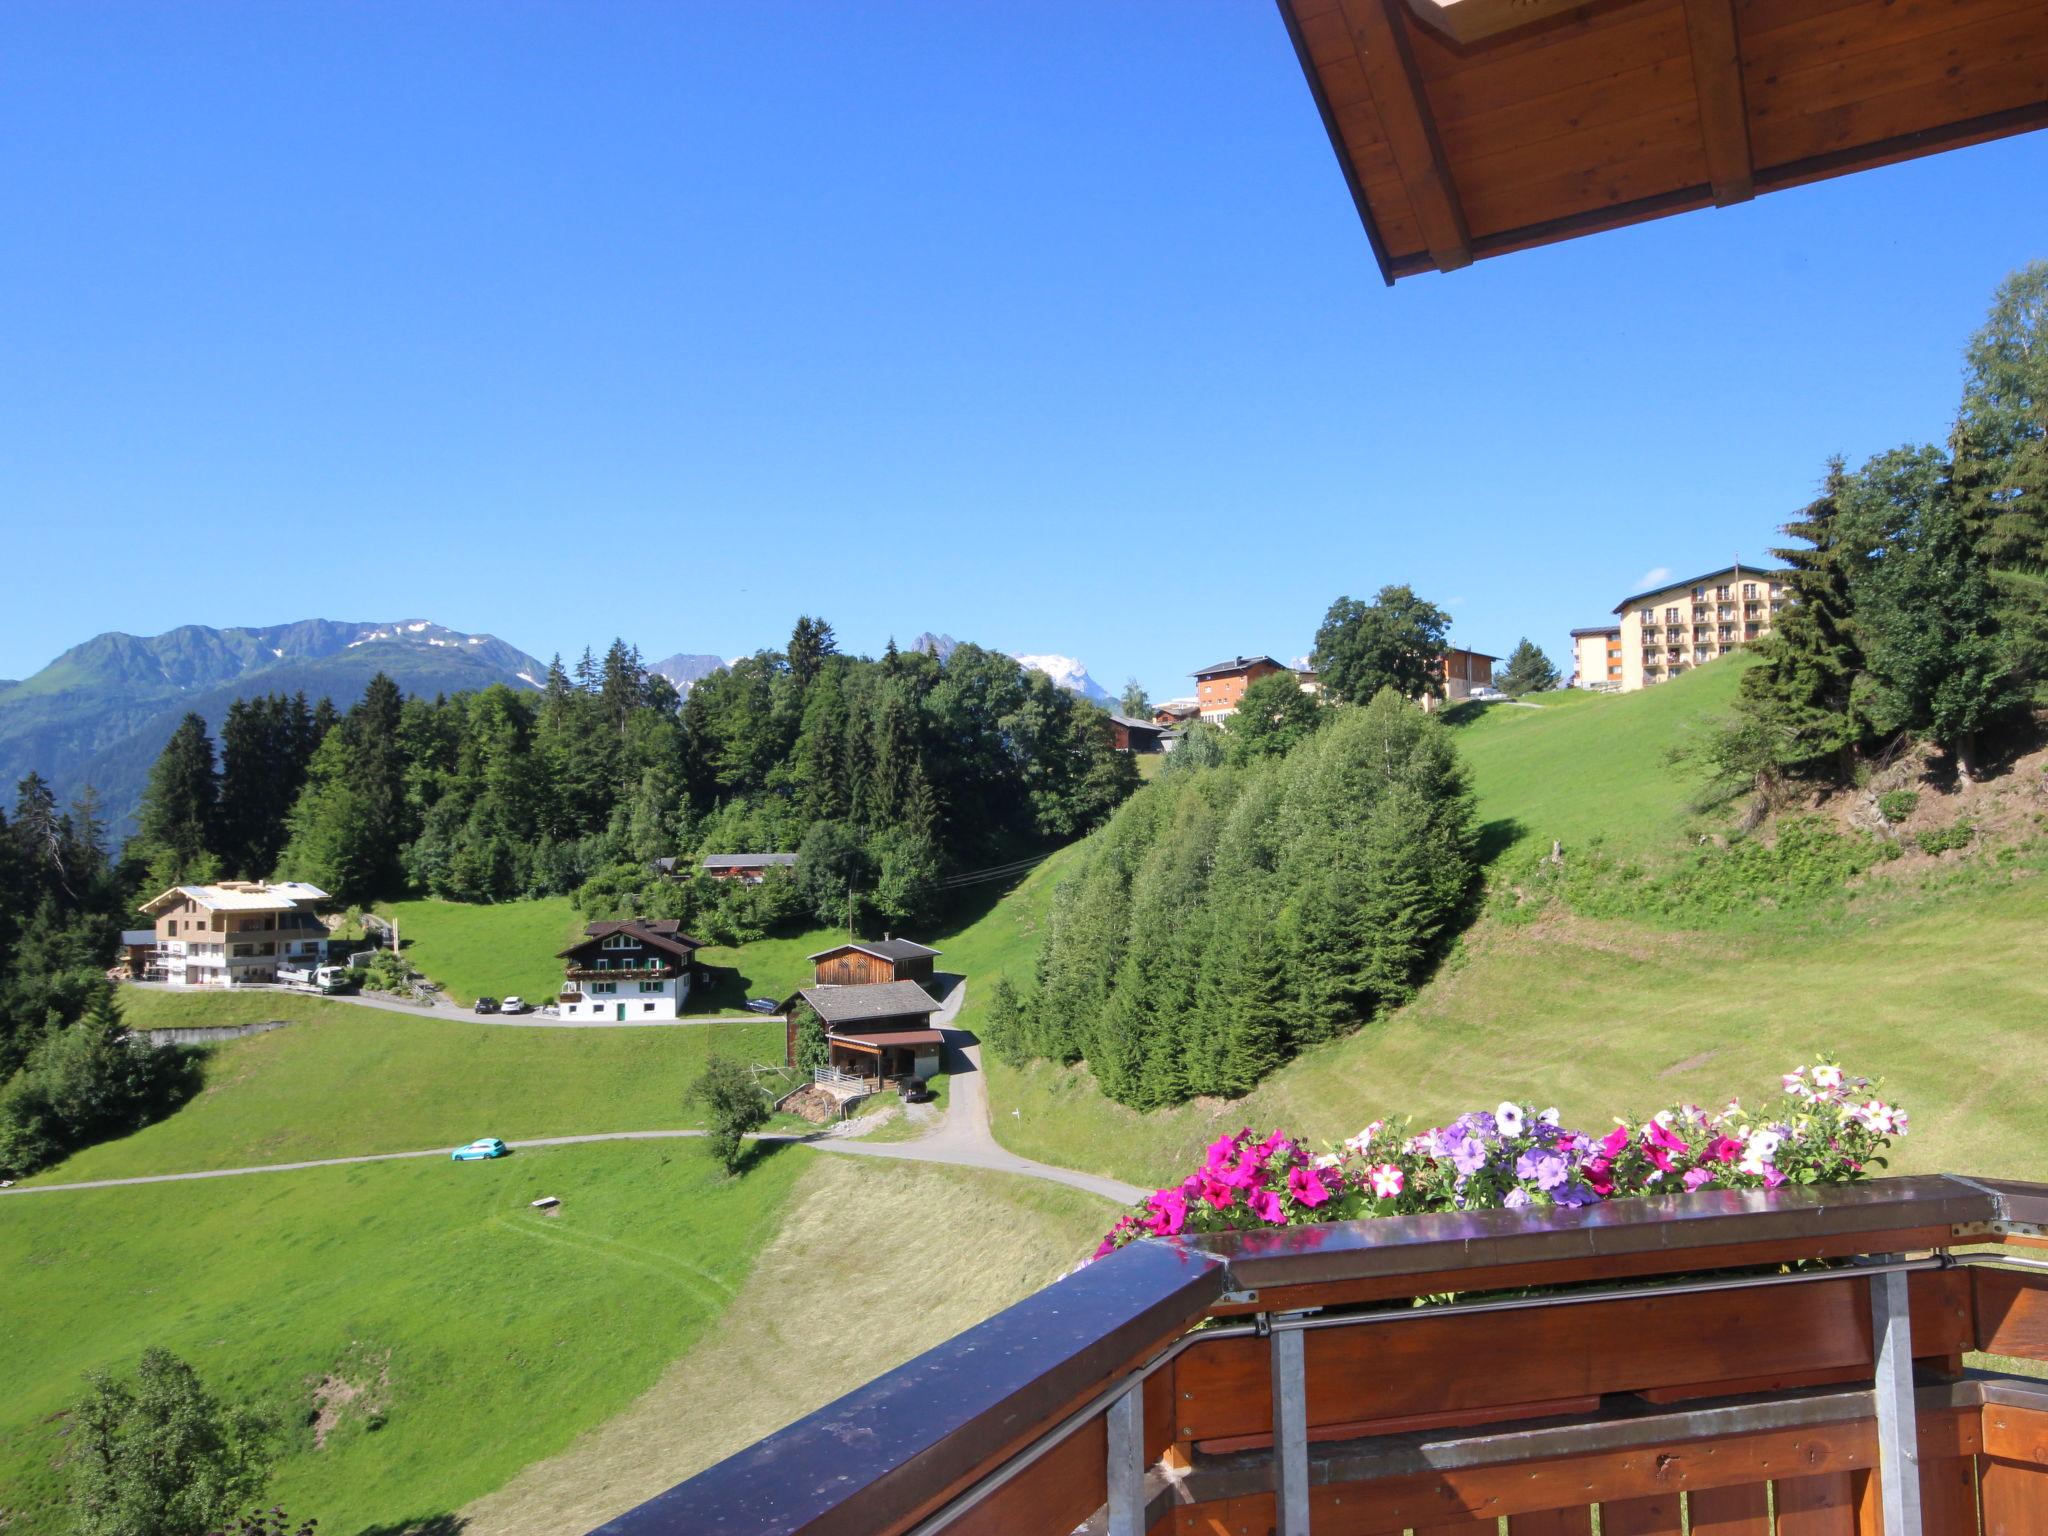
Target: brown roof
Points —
{"points": [[1469, 128], [881, 949], [868, 1004], [663, 933]]}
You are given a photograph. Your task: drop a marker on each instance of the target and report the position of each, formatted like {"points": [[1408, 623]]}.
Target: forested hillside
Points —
{"points": [[885, 776], [1235, 913]]}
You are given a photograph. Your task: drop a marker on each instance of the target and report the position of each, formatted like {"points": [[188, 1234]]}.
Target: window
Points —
{"points": [[650, 986], [647, 1007], [1721, 594], [1748, 590], [620, 941], [604, 986]]}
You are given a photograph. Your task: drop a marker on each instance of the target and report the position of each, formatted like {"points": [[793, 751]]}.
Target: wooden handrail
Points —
{"points": [[888, 1455]]}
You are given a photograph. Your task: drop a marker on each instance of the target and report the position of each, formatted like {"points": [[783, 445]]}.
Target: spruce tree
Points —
{"points": [[177, 824], [2000, 451], [1528, 671], [1803, 692]]}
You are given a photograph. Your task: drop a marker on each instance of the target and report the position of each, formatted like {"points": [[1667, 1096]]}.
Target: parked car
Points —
{"points": [[481, 1150], [515, 1005], [1486, 695], [762, 1005], [486, 1005]]}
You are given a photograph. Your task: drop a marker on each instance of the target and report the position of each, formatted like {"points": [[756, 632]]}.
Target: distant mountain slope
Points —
{"points": [[685, 668], [101, 712]]}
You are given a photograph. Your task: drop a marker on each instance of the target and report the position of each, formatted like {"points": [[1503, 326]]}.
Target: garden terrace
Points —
{"points": [[1740, 1352]]}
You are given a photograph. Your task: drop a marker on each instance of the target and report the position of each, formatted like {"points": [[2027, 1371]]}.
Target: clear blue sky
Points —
{"points": [[1050, 326]]}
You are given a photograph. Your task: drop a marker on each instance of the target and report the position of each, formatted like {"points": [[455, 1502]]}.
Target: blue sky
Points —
{"points": [[1049, 326]]}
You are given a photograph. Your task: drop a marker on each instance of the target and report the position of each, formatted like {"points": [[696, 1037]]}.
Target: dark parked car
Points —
{"points": [[486, 1005]]}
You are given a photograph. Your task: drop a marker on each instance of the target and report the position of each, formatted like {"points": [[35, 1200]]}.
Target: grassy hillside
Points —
{"points": [[773, 1357], [1574, 766], [504, 950], [1936, 994], [344, 1080], [482, 1334]]}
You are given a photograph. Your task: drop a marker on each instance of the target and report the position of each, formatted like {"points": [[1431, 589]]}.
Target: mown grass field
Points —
{"points": [[483, 1334], [939, 1250], [344, 1079], [1573, 766], [503, 950]]}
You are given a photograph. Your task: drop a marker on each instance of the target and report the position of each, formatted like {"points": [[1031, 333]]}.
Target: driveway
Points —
{"points": [[444, 1007]]}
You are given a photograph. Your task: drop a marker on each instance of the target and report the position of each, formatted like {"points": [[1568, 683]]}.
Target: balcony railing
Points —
{"points": [[1797, 1351]]}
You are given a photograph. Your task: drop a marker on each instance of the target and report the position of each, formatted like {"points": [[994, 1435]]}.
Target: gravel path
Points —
{"points": [[962, 1138]]}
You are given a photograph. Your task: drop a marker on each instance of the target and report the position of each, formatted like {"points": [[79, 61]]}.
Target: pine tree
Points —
{"points": [[1803, 692], [809, 644], [177, 824], [2000, 452], [1528, 671]]}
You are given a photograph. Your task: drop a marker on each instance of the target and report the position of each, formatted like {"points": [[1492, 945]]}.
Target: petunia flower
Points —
{"points": [[1507, 1116], [1267, 1206], [1306, 1185], [1695, 1177], [1517, 1198], [1387, 1180], [1169, 1213], [1827, 1077]]}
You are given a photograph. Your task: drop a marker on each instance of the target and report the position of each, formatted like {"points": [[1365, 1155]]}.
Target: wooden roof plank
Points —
{"points": [[1379, 35], [1724, 119]]}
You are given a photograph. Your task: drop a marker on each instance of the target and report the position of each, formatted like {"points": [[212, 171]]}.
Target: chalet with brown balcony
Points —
{"points": [[635, 970], [873, 1032], [232, 933]]}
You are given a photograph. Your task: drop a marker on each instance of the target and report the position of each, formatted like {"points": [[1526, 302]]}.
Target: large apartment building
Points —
{"points": [[233, 933], [1686, 624], [1218, 688]]}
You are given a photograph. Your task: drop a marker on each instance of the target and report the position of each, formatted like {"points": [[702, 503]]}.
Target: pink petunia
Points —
{"points": [[1614, 1143], [1598, 1174], [1695, 1177], [1306, 1185], [1723, 1149], [1218, 1192], [1221, 1151], [1169, 1213], [1267, 1206], [1387, 1180]]}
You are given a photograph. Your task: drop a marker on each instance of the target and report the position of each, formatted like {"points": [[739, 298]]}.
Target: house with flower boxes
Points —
{"points": [[635, 970]]}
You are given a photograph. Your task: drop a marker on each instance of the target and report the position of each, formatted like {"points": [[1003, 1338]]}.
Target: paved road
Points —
{"points": [[444, 1007], [963, 1138]]}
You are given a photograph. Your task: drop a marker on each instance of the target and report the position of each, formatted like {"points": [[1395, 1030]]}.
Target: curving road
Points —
{"points": [[962, 1138]]}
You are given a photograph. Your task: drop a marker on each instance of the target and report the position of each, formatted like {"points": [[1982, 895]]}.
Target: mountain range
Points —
{"points": [[102, 711]]}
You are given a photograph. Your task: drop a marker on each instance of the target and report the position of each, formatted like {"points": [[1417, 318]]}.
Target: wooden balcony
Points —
{"points": [[1697, 1358]]}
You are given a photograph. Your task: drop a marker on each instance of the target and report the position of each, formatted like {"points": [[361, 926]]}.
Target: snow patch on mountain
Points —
{"points": [[1067, 673]]}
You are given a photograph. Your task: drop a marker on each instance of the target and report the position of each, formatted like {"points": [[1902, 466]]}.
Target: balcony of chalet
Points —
{"points": [[1704, 1363]]}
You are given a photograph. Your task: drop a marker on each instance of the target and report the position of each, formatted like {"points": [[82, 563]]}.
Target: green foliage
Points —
{"points": [[382, 972], [267, 1522], [1528, 671], [84, 1083], [1806, 863], [1274, 716], [161, 1456], [1226, 918], [1005, 1027], [1396, 641], [1897, 805], [1938, 840], [1135, 703], [179, 809], [732, 1106], [812, 1049], [2000, 448], [265, 746], [1202, 745]]}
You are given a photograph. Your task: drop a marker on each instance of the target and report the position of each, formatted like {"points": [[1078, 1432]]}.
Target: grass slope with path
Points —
{"points": [[471, 1334], [343, 1080]]}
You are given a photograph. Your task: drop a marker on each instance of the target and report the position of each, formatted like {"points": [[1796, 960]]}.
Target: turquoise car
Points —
{"points": [[479, 1150]]}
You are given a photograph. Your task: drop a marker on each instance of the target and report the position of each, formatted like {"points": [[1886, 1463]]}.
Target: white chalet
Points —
{"points": [[634, 970]]}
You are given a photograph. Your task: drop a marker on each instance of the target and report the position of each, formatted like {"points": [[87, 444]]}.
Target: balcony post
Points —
{"points": [[1898, 1429], [1127, 1461], [1290, 1431]]}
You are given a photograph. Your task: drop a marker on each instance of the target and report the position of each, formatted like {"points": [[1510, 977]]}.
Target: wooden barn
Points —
{"points": [[1470, 128], [866, 962], [748, 868], [1129, 735]]}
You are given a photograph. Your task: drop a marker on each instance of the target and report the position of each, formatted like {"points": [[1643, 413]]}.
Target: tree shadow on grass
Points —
{"points": [[419, 1525], [1496, 838]]}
